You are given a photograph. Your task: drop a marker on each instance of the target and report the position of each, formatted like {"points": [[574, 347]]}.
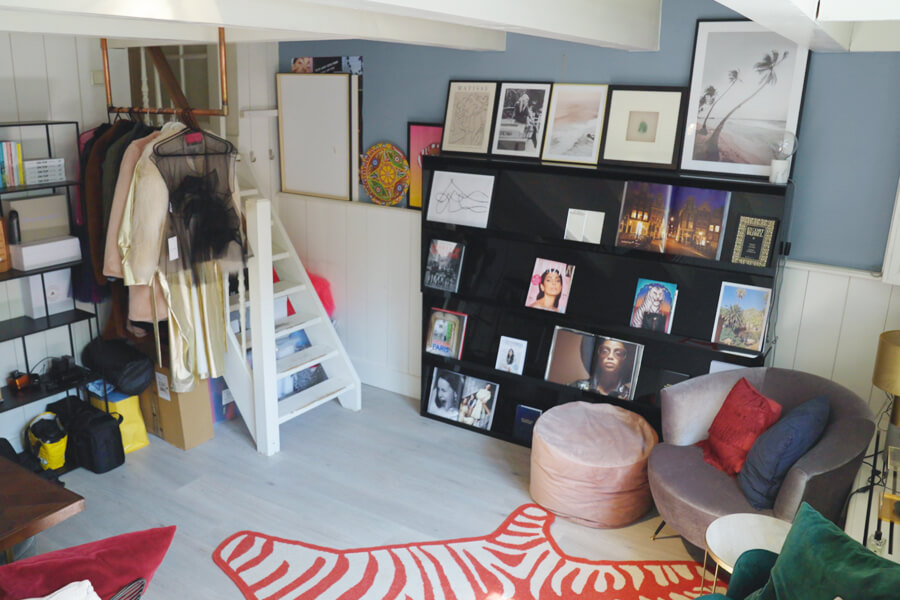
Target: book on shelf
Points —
{"points": [[654, 305], [550, 285], [11, 170], [594, 363], [444, 265], [741, 317], [511, 355], [446, 333], [462, 398], [523, 426]]}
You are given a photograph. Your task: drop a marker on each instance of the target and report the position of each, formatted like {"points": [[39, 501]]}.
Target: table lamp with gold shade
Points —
{"points": [[887, 377]]}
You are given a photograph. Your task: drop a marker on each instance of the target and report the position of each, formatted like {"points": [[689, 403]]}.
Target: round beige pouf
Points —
{"points": [[589, 463]]}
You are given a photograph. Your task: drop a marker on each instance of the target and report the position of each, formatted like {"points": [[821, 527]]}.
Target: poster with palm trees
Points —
{"points": [[746, 91], [742, 316]]}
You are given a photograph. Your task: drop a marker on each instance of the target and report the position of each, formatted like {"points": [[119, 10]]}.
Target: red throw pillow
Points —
{"points": [[109, 565], [744, 416]]}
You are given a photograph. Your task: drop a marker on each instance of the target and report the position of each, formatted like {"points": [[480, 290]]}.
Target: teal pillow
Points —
{"points": [[819, 561]]}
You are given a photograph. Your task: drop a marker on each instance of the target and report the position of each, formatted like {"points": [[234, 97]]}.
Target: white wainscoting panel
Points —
{"points": [[370, 256]]}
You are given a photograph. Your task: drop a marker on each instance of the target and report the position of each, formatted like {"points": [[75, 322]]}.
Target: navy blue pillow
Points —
{"points": [[778, 448]]}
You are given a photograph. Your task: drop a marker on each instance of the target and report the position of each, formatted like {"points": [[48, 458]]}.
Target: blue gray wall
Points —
{"points": [[846, 170]]}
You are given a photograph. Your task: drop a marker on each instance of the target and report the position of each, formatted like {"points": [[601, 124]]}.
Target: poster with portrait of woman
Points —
{"points": [[550, 284]]}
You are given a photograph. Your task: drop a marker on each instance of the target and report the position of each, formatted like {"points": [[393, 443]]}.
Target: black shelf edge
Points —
{"points": [[16, 274], [13, 399], [37, 186], [18, 327], [35, 123]]}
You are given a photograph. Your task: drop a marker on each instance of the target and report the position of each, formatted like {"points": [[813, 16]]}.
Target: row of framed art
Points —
{"points": [[745, 93]]}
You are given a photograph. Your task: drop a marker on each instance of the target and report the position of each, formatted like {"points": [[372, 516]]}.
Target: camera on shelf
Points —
{"points": [[18, 380]]}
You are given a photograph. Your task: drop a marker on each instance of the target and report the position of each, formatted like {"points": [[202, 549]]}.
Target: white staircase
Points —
{"points": [[255, 389]]}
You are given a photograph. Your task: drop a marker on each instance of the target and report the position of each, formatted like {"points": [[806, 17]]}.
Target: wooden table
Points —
{"points": [[730, 536], [30, 504]]}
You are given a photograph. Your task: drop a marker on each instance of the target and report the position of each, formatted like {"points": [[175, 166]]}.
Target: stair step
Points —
{"points": [[249, 192], [285, 288], [279, 253], [295, 322], [303, 360], [311, 397]]}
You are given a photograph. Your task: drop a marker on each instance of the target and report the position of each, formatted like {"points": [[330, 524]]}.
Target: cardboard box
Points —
{"points": [[40, 218], [183, 420], [44, 253], [58, 285]]}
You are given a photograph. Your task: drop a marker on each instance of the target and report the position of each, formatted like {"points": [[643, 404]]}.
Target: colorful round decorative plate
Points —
{"points": [[384, 174]]}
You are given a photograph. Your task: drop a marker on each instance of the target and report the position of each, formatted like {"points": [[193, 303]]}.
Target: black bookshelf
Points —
{"points": [[12, 398], [527, 220]]}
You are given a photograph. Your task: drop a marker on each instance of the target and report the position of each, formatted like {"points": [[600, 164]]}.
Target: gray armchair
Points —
{"points": [[690, 494]]}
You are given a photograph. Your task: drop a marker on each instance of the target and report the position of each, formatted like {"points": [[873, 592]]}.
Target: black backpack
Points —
{"points": [[120, 364], [95, 440]]}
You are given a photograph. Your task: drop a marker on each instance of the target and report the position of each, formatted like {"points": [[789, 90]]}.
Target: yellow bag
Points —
{"points": [[49, 447]]}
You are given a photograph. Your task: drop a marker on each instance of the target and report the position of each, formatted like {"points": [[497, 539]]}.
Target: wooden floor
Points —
{"points": [[380, 476]]}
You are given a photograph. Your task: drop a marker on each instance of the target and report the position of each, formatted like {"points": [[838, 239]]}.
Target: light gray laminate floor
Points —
{"points": [[383, 475]]}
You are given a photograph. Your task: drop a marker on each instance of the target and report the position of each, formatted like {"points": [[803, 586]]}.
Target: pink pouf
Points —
{"points": [[589, 463]]}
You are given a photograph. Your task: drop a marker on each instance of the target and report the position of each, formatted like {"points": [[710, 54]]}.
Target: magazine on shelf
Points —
{"points": [[594, 363], [443, 265], [550, 284], [446, 333], [511, 355], [462, 398], [654, 305], [741, 316]]}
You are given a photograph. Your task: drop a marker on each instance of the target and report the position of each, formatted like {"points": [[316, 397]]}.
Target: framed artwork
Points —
{"points": [[742, 316], [753, 242], [460, 198], [550, 284], [746, 91], [521, 117], [422, 139], [575, 123], [643, 126], [468, 116], [384, 174]]}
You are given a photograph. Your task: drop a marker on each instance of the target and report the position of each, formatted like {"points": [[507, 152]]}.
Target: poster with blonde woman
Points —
{"points": [[550, 285]]}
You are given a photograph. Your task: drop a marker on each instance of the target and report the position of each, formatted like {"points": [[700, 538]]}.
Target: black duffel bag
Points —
{"points": [[95, 440], [120, 364]]}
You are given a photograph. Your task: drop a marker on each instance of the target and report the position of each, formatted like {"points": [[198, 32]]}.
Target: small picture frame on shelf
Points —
{"points": [[746, 91], [422, 139], [575, 123], [550, 284], [511, 355], [643, 126], [468, 116], [460, 198], [753, 241], [521, 118], [741, 316]]}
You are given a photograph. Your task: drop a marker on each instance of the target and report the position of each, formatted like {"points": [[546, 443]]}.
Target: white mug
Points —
{"points": [[780, 171]]}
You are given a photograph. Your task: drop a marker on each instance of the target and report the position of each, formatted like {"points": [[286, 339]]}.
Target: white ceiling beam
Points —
{"points": [[876, 36], [625, 24], [859, 10], [292, 19], [795, 20]]}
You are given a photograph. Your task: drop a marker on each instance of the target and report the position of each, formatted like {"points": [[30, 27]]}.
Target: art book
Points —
{"points": [[523, 426], [594, 363], [462, 398], [443, 265], [446, 333], [742, 316], [511, 355], [654, 305], [550, 284]]}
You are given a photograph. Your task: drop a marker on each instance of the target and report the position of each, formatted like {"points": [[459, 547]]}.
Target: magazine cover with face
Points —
{"points": [[551, 282], [595, 363]]}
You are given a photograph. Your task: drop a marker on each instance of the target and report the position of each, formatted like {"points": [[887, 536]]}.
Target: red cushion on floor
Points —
{"points": [[744, 416], [109, 565]]}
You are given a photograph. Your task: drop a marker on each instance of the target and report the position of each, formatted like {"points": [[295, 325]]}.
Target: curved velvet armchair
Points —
{"points": [[690, 494]]}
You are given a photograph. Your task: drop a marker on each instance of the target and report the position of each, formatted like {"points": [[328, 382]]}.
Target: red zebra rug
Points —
{"points": [[520, 561]]}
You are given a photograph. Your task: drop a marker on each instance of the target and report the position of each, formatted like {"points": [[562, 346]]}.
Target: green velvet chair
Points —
{"points": [[817, 561]]}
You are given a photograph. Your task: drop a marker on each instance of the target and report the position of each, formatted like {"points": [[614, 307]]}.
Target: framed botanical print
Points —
{"points": [[521, 117], [575, 123], [468, 116], [643, 126], [746, 91]]}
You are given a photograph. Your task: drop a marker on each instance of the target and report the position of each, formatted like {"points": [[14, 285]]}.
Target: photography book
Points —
{"points": [[594, 363], [654, 305], [523, 426], [462, 398], [511, 355], [446, 333], [742, 316], [443, 265]]}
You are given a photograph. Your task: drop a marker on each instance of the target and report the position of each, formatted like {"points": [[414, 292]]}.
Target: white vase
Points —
{"points": [[780, 171]]}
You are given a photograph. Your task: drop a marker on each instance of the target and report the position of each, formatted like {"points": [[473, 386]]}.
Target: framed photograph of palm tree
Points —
{"points": [[746, 91]]}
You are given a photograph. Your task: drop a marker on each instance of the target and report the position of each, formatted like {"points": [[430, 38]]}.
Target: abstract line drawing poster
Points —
{"points": [[460, 198]]}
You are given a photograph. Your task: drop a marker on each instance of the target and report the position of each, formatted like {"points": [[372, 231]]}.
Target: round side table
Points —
{"points": [[730, 536]]}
